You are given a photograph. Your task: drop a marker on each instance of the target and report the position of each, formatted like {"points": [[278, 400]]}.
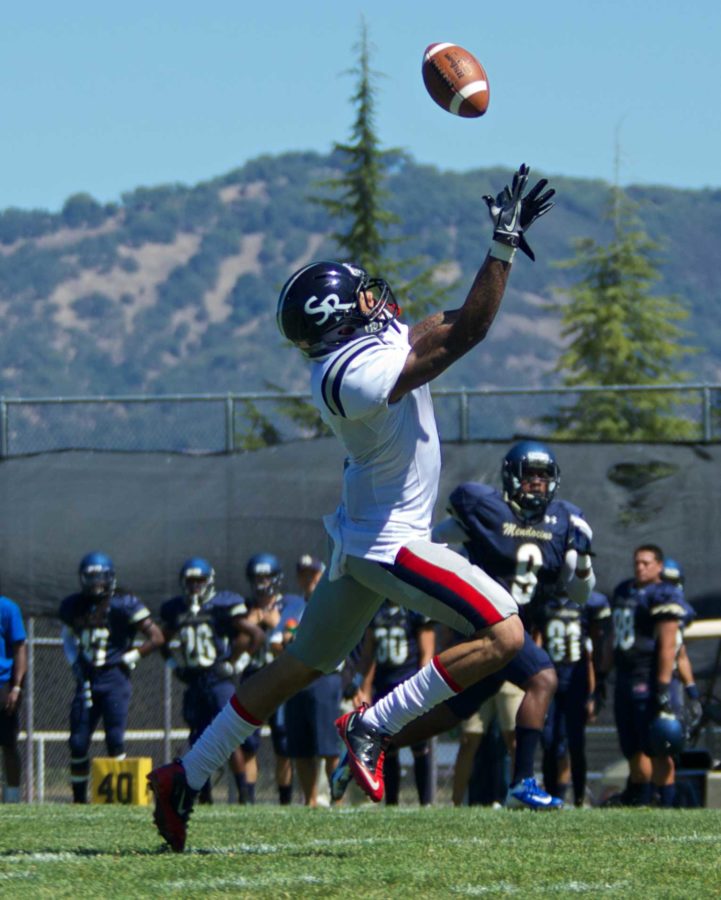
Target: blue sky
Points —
{"points": [[103, 97]]}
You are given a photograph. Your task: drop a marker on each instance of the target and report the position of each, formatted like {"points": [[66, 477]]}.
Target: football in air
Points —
{"points": [[455, 80]]}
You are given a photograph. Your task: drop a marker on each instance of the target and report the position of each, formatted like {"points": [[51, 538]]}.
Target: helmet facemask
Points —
{"points": [[532, 501], [364, 318], [97, 582], [197, 582]]}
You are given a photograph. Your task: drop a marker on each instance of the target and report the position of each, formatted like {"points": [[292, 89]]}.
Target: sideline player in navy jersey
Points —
{"points": [[528, 541], [270, 609], [685, 695], [99, 627], [398, 643], [210, 630], [565, 630], [370, 382], [646, 613]]}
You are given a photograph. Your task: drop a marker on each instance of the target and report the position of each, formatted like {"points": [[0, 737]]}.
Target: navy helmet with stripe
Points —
{"points": [[97, 575], [197, 579], [265, 574], [323, 305], [522, 462]]}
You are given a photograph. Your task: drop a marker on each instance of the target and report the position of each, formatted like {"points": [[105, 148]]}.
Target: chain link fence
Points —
{"points": [[223, 423], [156, 729], [155, 722]]}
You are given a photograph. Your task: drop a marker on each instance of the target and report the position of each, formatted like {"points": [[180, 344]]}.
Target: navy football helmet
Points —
{"points": [[665, 736], [672, 571], [265, 574], [197, 579], [321, 307], [97, 575], [523, 459]]}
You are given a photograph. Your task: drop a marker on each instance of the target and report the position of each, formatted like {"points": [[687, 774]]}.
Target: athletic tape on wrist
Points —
{"points": [[502, 251]]}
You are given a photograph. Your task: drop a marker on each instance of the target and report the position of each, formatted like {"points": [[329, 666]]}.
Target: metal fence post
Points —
{"points": [[167, 712], [433, 752], [41, 771], [30, 713], [706, 413], [229, 424], [3, 428], [463, 413]]}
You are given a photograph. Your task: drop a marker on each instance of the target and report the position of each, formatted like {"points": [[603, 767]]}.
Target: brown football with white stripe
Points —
{"points": [[455, 80]]}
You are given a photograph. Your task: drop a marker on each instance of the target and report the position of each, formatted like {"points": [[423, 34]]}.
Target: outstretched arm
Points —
{"points": [[444, 337]]}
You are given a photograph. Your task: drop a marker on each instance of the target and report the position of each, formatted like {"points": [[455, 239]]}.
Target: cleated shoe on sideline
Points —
{"points": [[174, 800], [340, 778], [366, 752], [528, 794]]}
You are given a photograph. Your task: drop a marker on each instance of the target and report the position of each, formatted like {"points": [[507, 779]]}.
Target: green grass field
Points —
{"points": [[95, 851]]}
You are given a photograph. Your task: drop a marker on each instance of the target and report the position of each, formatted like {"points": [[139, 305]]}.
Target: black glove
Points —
{"points": [[533, 207], [663, 701], [693, 716], [511, 213], [693, 709]]}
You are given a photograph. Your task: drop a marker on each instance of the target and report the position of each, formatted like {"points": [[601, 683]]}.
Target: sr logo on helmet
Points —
{"points": [[329, 306]]}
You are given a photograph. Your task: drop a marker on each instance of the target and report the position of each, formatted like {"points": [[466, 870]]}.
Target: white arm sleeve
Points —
{"points": [[579, 589], [71, 647]]}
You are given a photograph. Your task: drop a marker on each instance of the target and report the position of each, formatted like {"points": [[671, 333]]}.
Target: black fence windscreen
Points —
{"points": [[150, 511]]}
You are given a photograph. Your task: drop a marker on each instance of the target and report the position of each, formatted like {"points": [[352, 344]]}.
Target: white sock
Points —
{"points": [[229, 728], [424, 690]]}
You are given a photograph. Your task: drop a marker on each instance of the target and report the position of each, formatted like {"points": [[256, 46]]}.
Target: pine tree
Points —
{"points": [[358, 196], [356, 201], [621, 334]]}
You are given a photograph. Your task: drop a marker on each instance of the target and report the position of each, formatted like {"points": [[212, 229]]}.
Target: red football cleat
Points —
{"points": [[173, 803], [366, 752]]}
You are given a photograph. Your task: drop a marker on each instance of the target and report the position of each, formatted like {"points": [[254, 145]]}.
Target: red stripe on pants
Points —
{"points": [[451, 582]]}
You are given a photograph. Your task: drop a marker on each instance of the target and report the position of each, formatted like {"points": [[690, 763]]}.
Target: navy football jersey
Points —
{"points": [[204, 631], [397, 654], [636, 611], [105, 630], [564, 630], [597, 609], [521, 556]]}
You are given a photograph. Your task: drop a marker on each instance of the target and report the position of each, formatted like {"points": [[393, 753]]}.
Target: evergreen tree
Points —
{"points": [[621, 334], [357, 201]]}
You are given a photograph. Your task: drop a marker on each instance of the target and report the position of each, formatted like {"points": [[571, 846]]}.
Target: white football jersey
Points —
{"points": [[391, 473]]}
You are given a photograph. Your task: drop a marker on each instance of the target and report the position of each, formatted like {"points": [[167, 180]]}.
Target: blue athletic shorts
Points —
{"points": [[310, 719], [530, 659]]}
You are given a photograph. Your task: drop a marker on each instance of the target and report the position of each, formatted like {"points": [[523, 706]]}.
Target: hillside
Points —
{"points": [[173, 289]]}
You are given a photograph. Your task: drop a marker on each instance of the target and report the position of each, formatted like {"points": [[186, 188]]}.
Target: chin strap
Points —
{"points": [[528, 515]]}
